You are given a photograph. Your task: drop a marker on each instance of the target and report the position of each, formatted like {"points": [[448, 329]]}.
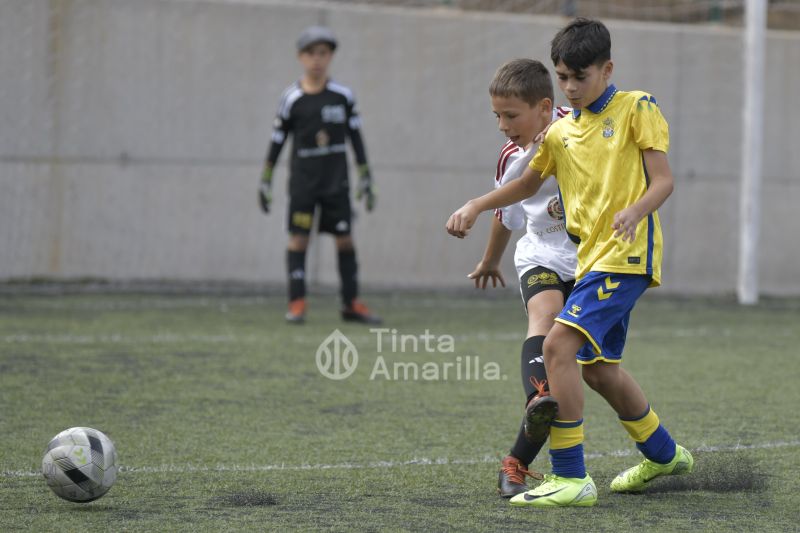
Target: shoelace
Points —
{"points": [[546, 479], [540, 386], [645, 470], [516, 472]]}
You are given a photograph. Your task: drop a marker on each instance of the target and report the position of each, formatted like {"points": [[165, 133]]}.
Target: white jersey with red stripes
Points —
{"points": [[546, 242]]}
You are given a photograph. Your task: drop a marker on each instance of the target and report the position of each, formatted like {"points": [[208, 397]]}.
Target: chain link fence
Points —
{"points": [[782, 14]]}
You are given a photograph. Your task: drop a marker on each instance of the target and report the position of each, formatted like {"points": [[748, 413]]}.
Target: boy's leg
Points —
{"points": [[301, 218], [335, 218], [348, 268], [617, 387], [569, 484], [542, 308], [566, 433], [662, 455], [296, 271], [353, 309]]}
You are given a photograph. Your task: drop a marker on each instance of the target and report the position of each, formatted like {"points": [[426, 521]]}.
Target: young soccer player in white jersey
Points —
{"points": [[522, 99], [609, 158]]}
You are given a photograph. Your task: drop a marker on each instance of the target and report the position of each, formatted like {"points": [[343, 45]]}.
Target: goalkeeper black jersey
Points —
{"points": [[320, 125]]}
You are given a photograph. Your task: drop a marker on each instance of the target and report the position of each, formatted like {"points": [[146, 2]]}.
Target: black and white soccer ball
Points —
{"points": [[80, 464]]}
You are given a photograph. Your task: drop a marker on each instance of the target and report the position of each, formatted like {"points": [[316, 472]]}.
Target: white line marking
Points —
{"points": [[229, 338], [419, 461]]}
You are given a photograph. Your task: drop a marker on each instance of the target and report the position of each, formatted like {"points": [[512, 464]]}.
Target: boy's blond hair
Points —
{"points": [[526, 79]]}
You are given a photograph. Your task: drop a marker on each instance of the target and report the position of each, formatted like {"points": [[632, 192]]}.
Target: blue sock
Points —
{"points": [[659, 447], [568, 462]]}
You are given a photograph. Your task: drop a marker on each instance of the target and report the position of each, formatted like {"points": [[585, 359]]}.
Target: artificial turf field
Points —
{"points": [[223, 422]]}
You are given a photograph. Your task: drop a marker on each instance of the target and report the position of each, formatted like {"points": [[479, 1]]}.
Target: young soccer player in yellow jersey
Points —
{"points": [[609, 158]]}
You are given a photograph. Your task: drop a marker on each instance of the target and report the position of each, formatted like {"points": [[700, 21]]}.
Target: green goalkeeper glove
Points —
{"points": [[365, 188], [265, 189]]}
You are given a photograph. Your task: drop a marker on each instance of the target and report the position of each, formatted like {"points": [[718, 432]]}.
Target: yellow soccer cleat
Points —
{"points": [[636, 478], [557, 491]]}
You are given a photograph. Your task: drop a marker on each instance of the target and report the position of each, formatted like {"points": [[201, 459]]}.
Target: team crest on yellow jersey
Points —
{"points": [[608, 127]]}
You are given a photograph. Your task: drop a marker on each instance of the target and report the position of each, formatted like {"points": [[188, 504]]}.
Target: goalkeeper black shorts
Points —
{"points": [[335, 214]]}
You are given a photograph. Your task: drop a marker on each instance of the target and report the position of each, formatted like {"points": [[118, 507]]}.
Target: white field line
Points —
{"points": [[227, 338], [419, 461]]}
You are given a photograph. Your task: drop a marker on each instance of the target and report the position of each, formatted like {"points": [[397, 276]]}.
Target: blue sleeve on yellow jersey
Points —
{"points": [[649, 127]]}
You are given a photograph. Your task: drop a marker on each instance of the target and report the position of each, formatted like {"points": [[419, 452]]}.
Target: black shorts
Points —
{"points": [[334, 213], [540, 279]]}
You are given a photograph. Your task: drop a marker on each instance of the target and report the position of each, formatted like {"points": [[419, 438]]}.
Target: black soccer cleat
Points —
{"points": [[539, 414], [511, 480], [357, 311]]}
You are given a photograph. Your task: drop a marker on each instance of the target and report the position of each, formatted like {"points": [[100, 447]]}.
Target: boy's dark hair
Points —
{"points": [[526, 79], [581, 43]]}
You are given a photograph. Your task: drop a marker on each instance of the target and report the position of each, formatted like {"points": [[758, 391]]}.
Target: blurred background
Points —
{"points": [[132, 133]]}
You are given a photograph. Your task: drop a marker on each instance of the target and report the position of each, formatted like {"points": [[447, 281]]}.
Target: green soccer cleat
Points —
{"points": [[636, 478], [557, 491]]}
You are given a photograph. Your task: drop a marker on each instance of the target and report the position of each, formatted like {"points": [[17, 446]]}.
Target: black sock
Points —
{"points": [[348, 272], [533, 366], [296, 267], [523, 449]]}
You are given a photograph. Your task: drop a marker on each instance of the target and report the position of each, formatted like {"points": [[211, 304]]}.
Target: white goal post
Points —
{"points": [[754, 52]]}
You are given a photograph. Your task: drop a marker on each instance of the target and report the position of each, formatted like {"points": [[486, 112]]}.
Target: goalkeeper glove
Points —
{"points": [[265, 189], [365, 188]]}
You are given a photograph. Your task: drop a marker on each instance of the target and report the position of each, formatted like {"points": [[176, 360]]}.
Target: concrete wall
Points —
{"points": [[133, 134]]}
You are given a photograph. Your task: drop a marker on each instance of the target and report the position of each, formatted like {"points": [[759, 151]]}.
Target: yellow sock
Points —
{"points": [[641, 428], [566, 434]]}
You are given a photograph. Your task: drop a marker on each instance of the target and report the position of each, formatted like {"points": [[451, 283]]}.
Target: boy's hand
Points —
{"points": [[540, 137], [460, 222], [364, 189], [483, 272], [265, 189], [625, 223]]}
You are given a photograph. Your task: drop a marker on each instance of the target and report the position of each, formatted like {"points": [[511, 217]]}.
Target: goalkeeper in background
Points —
{"points": [[320, 114]]}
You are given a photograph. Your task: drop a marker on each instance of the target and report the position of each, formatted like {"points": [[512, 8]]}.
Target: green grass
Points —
{"points": [[222, 420]]}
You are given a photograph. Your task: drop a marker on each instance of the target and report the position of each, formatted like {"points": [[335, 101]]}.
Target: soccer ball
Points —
{"points": [[80, 464]]}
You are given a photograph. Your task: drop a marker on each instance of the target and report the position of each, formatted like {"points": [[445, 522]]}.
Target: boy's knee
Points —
{"points": [[550, 345], [553, 346], [592, 377], [600, 375], [344, 243], [298, 242]]}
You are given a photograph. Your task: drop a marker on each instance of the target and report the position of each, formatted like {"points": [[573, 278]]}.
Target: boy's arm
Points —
{"points": [[364, 189], [489, 266], [660, 187], [526, 186], [280, 131]]}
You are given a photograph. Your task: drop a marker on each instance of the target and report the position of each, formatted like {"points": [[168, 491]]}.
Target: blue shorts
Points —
{"points": [[600, 307]]}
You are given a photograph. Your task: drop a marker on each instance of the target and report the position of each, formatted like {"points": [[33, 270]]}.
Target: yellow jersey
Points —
{"points": [[596, 157]]}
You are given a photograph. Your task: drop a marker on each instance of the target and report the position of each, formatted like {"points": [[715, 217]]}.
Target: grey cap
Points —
{"points": [[314, 35]]}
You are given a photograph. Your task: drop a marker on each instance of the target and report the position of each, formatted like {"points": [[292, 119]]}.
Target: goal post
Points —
{"points": [[754, 52]]}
